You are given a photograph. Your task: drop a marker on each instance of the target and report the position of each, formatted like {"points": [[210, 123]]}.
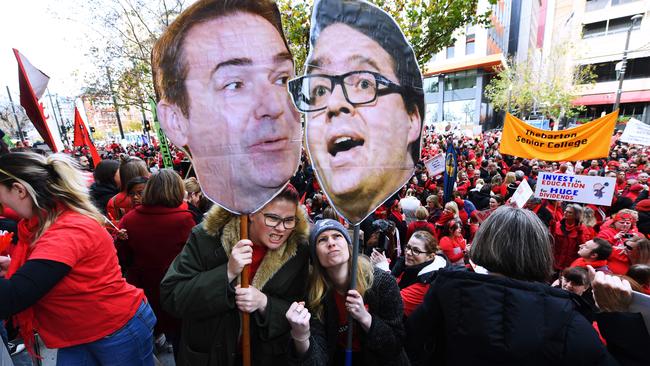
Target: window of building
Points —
{"points": [[431, 85], [431, 113], [461, 80], [619, 25], [606, 27], [461, 111], [594, 29], [450, 52], [637, 68], [469, 48]]}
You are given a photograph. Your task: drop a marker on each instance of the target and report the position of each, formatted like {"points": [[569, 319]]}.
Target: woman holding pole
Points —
{"points": [[202, 285], [319, 328]]}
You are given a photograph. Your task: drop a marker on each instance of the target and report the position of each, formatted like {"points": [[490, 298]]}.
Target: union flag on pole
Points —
{"points": [[81, 137], [33, 83]]}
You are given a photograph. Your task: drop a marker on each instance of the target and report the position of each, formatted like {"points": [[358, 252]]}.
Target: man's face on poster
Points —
{"points": [[242, 130], [359, 138]]}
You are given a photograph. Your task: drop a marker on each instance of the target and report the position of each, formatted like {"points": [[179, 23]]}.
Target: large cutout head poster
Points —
{"points": [[220, 72], [362, 97]]}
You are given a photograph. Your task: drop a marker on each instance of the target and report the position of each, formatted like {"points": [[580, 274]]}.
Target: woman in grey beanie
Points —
{"points": [[319, 328]]}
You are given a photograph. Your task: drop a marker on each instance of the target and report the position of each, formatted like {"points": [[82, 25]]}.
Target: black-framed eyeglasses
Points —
{"points": [[273, 221], [310, 93], [413, 250]]}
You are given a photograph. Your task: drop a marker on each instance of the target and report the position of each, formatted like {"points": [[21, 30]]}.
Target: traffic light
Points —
{"points": [[147, 125]]}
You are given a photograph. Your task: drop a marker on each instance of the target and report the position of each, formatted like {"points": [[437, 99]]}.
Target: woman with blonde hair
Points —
{"points": [[196, 201], [319, 328], [450, 212], [63, 279]]}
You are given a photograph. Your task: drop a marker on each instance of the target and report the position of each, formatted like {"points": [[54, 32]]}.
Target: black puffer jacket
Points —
{"points": [[474, 319]]}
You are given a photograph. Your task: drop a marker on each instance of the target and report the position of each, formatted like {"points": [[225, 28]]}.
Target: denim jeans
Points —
{"points": [[131, 345], [3, 333]]}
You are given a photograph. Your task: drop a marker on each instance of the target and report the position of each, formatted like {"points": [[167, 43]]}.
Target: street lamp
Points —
{"points": [[619, 91]]}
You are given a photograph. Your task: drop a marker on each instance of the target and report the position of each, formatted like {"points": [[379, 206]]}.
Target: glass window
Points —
{"points": [[594, 29], [431, 113], [469, 48], [460, 111], [619, 25], [431, 85], [450, 52], [461, 80]]}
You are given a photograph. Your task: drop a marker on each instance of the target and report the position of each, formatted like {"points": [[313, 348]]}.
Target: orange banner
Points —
{"points": [[589, 141]]}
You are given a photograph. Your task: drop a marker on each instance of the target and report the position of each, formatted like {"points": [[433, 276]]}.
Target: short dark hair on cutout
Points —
{"points": [[167, 59]]}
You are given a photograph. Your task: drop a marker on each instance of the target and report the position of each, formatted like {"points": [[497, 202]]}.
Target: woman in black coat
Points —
{"points": [[505, 314], [319, 329], [105, 186]]}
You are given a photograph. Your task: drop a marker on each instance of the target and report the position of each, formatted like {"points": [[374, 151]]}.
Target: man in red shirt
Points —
{"points": [[594, 253]]}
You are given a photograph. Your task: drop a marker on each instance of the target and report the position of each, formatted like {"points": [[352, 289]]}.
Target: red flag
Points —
{"points": [[82, 139], [33, 82]]}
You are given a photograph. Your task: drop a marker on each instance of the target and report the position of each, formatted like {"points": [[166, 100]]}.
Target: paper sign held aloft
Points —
{"points": [[435, 165], [636, 132], [522, 194], [575, 188]]}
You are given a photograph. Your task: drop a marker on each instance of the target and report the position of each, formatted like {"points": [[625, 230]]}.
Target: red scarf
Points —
{"points": [[24, 319]]}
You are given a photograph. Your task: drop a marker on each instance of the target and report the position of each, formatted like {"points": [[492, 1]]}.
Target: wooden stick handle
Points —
{"points": [[245, 281]]}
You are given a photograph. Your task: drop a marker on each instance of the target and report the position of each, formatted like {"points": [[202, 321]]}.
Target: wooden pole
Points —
{"points": [[245, 317]]}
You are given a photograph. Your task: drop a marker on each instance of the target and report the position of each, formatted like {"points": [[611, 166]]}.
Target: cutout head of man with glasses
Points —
{"points": [[362, 96]]}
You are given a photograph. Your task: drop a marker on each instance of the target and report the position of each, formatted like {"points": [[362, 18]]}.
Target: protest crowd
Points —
{"points": [[354, 234], [413, 240]]}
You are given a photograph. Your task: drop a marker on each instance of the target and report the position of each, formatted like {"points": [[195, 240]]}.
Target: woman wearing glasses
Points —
{"points": [[414, 270], [202, 288]]}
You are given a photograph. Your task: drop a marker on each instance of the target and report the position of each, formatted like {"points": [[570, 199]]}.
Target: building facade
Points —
{"points": [[455, 78], [600, 29]]}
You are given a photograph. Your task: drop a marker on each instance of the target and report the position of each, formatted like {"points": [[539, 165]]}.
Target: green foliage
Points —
{"points": [[130, 28], [547, 87], [428, 25]]}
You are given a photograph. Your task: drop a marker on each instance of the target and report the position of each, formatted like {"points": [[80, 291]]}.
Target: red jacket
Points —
{"points": [[565, 245], [156, 235], [619, 262]]}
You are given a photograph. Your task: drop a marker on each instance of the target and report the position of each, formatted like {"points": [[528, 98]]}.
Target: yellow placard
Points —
{"points": [[589, 141]]}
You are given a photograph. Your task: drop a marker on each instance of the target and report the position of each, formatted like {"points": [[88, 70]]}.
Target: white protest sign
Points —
{"points": [[575, 188], [522, 194], [636, 132], [435, 165]]}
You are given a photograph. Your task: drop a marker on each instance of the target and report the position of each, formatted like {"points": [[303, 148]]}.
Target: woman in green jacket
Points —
{"points": [[201, 286]]}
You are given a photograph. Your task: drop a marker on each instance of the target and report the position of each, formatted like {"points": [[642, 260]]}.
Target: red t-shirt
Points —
{"points": [[93, 300]]}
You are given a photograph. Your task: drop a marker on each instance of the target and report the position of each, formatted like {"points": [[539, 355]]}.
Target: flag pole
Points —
{"points": [[56, 119], [353, 286], [20, 130]]}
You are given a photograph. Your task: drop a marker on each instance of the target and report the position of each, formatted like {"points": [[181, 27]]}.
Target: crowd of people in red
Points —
{"points": [[416, 236]]}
